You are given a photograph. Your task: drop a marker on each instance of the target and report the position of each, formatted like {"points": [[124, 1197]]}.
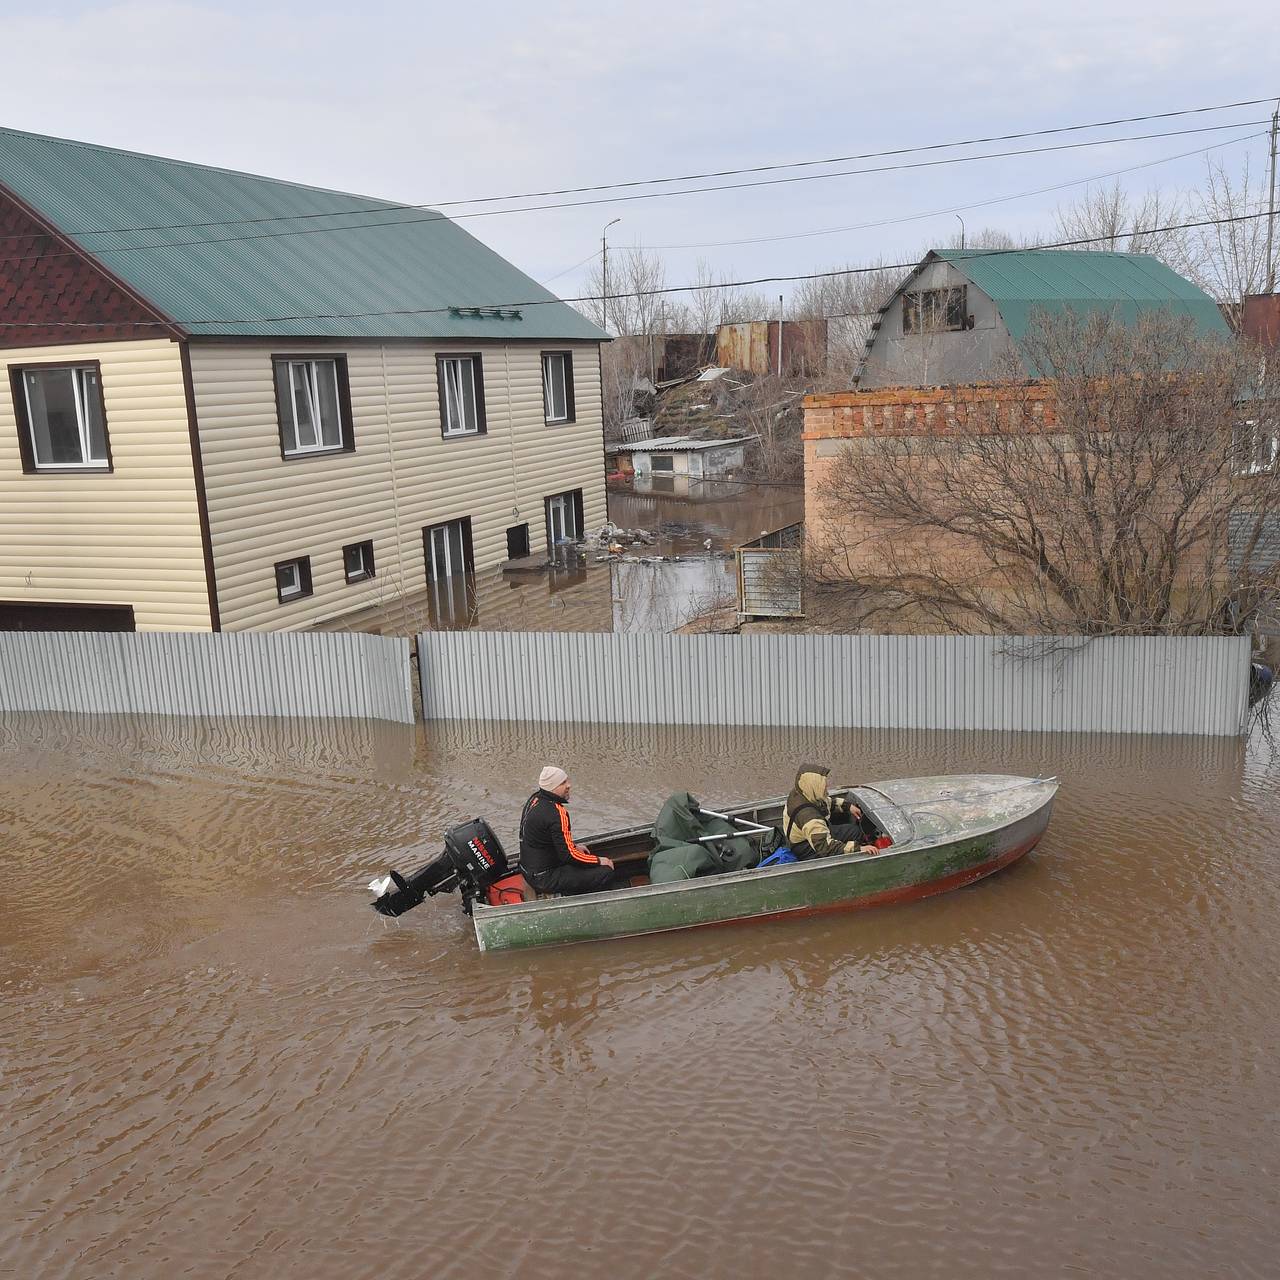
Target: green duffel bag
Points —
{"points": [[677, 832], [680, 862]]}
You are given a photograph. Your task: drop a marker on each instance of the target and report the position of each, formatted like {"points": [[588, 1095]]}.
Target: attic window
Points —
{"points": [[486, 313], [935, 310]]}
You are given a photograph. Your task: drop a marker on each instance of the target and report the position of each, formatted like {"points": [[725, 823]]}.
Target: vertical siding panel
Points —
{"points": [[958, 683], [192, 674]]}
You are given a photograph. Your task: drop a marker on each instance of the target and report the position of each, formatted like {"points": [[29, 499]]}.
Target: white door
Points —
{"points": [[447, 552], [560, 522]]}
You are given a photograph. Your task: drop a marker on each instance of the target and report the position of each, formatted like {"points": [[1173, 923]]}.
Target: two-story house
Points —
{"points": [[231, 402]]}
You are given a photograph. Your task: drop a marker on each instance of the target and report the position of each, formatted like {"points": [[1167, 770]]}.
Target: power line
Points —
{"points": [[961, 208], [637, 293], [103, 250], [693, 177]]}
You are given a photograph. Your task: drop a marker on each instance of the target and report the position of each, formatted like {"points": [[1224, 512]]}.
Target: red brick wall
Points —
{"points": [[910, 411], [44, 285]]}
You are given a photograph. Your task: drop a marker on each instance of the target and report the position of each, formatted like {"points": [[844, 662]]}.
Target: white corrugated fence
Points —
{"points": [[342, 675], [1195, 685]]}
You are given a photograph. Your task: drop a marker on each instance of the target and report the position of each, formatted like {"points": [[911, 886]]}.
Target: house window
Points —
{"points": [[663, 462], [461, 395], [1256, 448], [62, 425], [564, 518], [557, 386], [293, 579], [313, 404], [935, 310], [357, 561]]}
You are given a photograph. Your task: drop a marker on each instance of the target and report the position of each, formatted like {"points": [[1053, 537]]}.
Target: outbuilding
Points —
{"points": [[681, 464]]}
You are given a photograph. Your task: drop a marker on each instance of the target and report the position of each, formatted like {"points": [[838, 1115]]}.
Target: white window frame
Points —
{"points": [[79, 394], [366, 570], [288, 406], [299, 589], [562, 507], [667, 461], [564, 362], [1253, 466], [453, 404], [453, 543]]}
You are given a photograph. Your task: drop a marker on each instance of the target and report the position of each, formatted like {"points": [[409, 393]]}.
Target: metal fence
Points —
{"points": [[1143, 685], [196, 674]]}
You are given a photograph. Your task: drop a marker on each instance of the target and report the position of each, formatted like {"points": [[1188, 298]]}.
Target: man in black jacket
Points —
{"points": [[551, 862]]}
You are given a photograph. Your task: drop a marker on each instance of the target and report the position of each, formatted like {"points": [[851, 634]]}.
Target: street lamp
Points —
{"points": [[960, 220], [604, 274]]}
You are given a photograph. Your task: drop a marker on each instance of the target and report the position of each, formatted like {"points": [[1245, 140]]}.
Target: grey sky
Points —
{"points": [[431, 102]]}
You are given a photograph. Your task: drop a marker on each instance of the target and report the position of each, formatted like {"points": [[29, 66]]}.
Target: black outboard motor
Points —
{"points": [[472, 860]]}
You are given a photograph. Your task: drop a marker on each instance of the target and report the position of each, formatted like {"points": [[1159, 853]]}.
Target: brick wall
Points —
{"points": [[848, 542]]}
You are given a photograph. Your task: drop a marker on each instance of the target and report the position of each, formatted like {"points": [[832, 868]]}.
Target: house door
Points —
{"points": [[564, 518], [447, 548]]}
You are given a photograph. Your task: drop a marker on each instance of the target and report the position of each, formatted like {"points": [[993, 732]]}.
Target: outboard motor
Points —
{"points": [[472, 860]]}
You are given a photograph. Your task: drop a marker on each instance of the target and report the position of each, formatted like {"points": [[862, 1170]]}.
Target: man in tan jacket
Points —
{"points": [[815, 825]]}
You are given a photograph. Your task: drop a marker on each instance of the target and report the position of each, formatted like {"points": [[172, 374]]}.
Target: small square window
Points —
{"points": [[61, 422], [357, 561], [557, 386], [461, 395], [293, 579], [663, 462]]}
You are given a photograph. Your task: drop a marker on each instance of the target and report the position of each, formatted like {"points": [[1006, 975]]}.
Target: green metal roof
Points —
{"points": [[1023, 282], [231, 275]]}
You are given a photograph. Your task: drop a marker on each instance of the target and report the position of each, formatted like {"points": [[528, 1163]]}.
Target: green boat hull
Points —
{"points": [[947, 832]]}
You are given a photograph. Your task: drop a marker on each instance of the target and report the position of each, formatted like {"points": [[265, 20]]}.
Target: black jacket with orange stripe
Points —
{"points": [[545, 838]]}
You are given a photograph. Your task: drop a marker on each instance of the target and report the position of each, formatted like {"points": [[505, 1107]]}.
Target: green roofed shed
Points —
{"points": [[226, 253], [986, 300]]}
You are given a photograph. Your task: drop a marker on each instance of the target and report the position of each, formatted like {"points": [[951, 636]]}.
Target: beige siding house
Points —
{"points": [[268, 431]]}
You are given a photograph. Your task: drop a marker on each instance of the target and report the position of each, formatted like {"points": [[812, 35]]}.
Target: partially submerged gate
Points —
{"points": [[771, 574]]}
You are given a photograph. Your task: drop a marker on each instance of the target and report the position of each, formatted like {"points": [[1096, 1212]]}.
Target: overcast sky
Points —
{"points": [[425, 102]]}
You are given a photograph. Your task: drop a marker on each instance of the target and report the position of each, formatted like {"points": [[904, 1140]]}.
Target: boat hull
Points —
{"points": [[916, 868]]}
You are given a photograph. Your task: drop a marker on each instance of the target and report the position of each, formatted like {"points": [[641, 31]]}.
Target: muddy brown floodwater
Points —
{"points": [[217, 1062]]}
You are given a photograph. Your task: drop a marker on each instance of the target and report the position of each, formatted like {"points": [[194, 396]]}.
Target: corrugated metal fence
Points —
{"points": [[1142, 685], [195, 674]]}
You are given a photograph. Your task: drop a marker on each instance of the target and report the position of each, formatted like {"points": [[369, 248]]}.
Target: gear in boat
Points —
{"points": [[687, 842]]}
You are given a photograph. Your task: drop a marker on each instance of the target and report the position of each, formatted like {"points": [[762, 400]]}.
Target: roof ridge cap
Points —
{"points": [[210, 168]]}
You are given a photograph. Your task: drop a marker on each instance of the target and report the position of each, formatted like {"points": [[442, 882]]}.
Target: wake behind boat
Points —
{"points": [[939, 833]]}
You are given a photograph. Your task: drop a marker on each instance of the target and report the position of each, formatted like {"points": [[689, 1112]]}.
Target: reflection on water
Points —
{"points": [[217, 1061], [651, 591]]}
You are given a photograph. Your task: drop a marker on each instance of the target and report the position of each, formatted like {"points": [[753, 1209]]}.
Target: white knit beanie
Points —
{"points": [[552, 777]]}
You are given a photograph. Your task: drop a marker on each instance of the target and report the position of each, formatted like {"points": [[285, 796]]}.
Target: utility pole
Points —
{"points": [[1271, 204], [604, 274]]}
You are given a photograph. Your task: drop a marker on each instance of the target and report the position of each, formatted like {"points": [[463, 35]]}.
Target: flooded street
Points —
{"points": [[217, 1061], [653, 586]]}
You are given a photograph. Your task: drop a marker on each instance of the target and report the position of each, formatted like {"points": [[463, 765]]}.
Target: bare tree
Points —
{"points": [[1135, 493], [1227, 260], [1109, 218], [629, 300]]}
